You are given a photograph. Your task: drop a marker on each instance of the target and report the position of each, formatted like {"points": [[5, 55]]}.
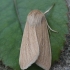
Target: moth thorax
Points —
{"points": [[35, 17]]}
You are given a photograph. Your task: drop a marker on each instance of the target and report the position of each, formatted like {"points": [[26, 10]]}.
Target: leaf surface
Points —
{"points": [[11, 32]]}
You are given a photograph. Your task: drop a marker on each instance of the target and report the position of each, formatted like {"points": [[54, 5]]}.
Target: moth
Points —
{"points": [[35, 46]]}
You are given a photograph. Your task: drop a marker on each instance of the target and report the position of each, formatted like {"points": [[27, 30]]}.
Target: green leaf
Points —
{"points": [[11, 33]]}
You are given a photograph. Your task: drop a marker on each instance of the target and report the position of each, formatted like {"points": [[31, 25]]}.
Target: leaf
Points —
{"points": [[11, 33]]}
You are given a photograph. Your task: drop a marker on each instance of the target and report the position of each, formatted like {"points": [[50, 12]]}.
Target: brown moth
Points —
{"points": [[35, 42]]}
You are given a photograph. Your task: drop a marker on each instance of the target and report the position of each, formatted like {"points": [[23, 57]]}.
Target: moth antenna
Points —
{"points": [[49, 9], [47, 12], [51, 28]]}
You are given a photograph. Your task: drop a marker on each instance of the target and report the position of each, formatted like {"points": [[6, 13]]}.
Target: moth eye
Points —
{"points": [[43, 19]]}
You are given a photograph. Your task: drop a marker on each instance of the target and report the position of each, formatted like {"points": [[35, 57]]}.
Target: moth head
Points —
{"points": [[35, 17]]}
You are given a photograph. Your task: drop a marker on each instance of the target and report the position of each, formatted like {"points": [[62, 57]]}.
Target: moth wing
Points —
{"points": [[29, 50], [44, 59]]}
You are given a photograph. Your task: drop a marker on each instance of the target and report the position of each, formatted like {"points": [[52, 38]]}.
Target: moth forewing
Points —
{"points": [[44, 59], [29, 50]]}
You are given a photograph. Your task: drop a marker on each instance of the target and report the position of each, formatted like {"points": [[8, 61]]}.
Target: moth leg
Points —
{"points": [[49, 9], [51, 28]]}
